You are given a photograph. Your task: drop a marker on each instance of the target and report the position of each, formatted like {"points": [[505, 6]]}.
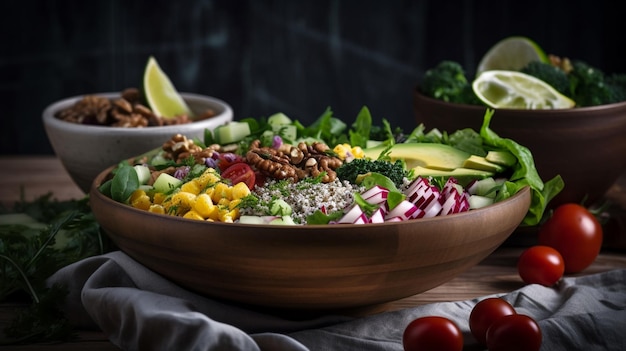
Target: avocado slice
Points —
{"points": [[501, 157], [429, 155], [463, 175], [478, 162]]}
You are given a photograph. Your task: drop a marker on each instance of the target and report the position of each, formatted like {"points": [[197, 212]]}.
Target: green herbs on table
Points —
{"points": [[36, 239]]}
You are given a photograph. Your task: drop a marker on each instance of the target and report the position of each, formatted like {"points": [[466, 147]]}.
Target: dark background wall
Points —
{"points": [[266, 56]]}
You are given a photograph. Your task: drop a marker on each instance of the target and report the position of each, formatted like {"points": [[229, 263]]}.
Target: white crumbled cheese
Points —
{"points": [[304, 197]]}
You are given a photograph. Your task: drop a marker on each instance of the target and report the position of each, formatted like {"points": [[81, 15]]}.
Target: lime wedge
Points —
{"points": [[511, 89], [511, 54], [161, 94]]}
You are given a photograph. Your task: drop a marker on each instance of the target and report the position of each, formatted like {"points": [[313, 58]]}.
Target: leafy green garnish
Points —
{"points": [[524, 173], [48, 236]]}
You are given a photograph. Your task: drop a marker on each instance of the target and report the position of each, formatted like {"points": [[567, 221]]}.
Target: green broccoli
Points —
{"points": [[617, 82], [396, 171], [447, 82], [550, 74], [590, 87]]}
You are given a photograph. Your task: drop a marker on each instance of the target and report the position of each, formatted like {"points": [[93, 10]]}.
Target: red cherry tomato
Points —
{"points": [[484, 313], [514, 332], [575, 233], [240, 172], [540, 265], [432, 333], [227, 159]]}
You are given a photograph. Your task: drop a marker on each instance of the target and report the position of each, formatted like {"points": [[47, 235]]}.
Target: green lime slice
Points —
{"points": [[517, 90], [161, 94], [511, 54]]}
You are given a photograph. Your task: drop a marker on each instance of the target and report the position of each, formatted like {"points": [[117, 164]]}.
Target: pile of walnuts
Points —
{"points": [[127, 111]]}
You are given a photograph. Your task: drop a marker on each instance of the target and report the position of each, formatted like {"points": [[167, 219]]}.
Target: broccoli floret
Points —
{"points": [[396, 171], [589, 87], [617, 82], [447, 82], [550, 74]]}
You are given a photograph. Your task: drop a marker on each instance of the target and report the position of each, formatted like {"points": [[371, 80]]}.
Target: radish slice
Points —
{"points": [[378, 216], [405, 210], [355, 215], [376, 195]]}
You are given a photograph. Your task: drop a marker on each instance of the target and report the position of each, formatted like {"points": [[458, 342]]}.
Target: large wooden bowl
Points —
{"points": [[308, 267]]}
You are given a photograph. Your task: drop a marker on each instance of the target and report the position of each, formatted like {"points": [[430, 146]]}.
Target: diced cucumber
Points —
{"points": [[278, 119], [231, 132], [283, 220], [477, 201], [250, 219], [286, 131], [165, 183], [485, 187], [143, 173], [280, 207]]}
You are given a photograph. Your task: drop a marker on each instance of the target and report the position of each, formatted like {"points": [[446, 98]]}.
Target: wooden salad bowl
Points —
{"points": [[315, 267]]}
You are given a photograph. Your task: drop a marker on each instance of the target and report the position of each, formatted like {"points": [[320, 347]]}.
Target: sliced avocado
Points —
{"points": [[478, 162], [501, 157], [429, 155], [463, 175]]}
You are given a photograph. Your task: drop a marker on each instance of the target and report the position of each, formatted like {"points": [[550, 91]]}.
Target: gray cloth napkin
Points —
{"points": [[140, 310]]}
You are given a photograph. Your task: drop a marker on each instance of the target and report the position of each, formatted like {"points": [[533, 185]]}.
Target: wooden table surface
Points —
{"points": [[32, 176]]}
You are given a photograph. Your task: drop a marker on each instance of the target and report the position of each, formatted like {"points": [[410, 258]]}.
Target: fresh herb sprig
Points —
{"points": [[37, 238]]}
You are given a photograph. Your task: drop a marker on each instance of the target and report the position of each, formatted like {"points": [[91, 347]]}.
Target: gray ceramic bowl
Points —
{"points": [[86, 150], [586, 146]]}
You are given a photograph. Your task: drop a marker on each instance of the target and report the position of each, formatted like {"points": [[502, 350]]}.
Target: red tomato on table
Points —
{"points": [[432, 333], [516, 332], [484, 313], [540, 265], [575, 233]]}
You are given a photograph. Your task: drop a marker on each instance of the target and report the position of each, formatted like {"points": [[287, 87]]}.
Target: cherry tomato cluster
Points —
{"points": [[493, 322], [569, 241]]}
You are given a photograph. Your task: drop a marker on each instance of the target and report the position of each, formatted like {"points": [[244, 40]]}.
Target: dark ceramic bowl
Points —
{"points": [[586, 146], [314, 267]]}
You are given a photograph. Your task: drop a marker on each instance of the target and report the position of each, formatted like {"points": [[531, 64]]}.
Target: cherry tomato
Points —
{"points": [[240, 172], [540, 265], [575, 233], [484, 313], [514, 332], [432, 333], [227, 159]]}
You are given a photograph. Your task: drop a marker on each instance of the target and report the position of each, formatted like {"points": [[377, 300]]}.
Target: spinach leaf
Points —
{"points": [[124, 183]]}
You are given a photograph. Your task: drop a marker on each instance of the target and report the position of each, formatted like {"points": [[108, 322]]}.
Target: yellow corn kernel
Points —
{"points": [[357, 152], [191, 214], [180, 203], [139, 199], [224, 202], [156, 208], [158, 198], [208, 178], [341, 150], [221, 191], [234, 203], [228, 216], [204, 206], [239, 191], [191, 186]]}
